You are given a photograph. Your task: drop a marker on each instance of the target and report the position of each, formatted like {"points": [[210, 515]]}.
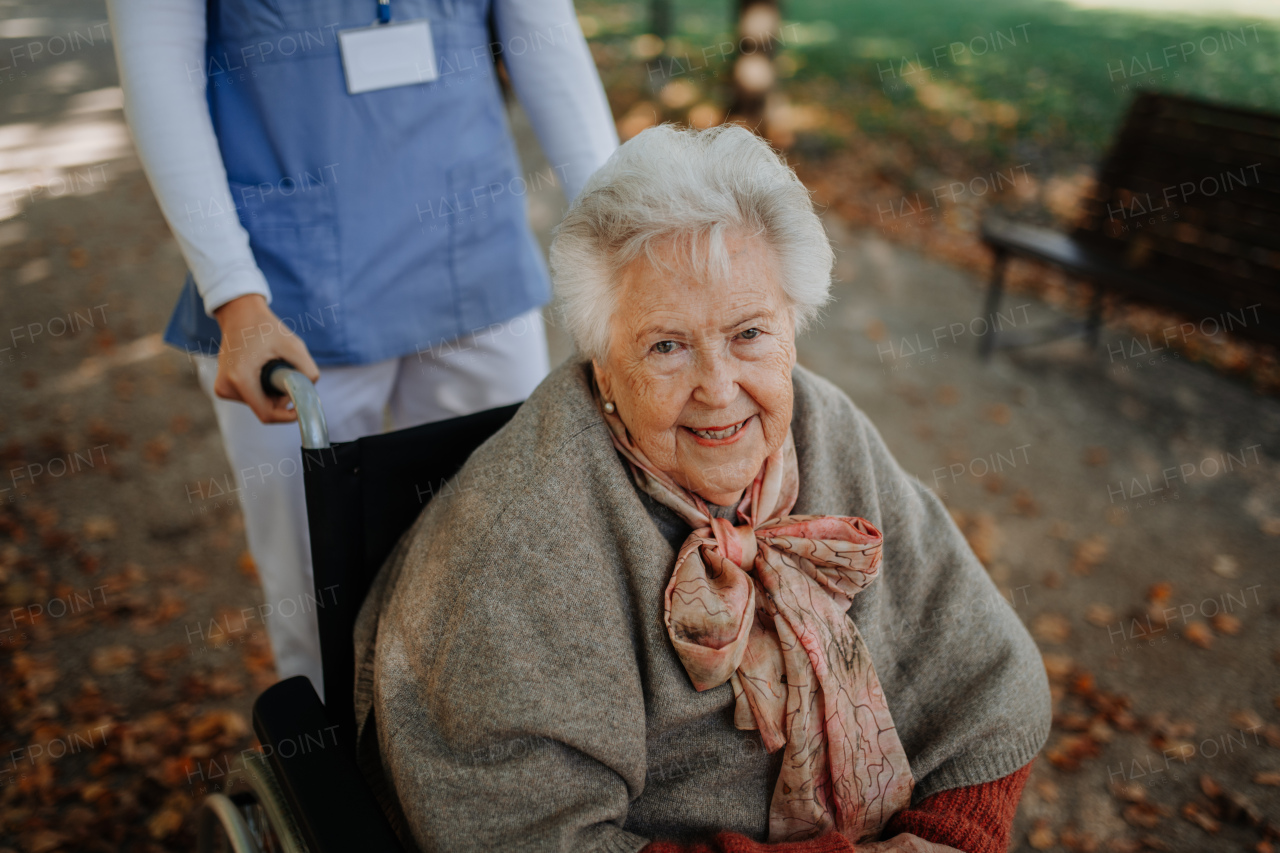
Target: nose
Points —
{"points": [[717, 380]]}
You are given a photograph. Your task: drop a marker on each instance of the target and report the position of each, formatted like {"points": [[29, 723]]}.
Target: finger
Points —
{"points": [[281, 413], [223, 386], [299, 356], [251, 394]]}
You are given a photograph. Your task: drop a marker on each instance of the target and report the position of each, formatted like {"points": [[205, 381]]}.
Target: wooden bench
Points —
{"points": [[1185, 216]]}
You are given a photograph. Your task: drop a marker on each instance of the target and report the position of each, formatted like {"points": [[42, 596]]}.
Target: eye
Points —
{"points": [[664, 347], [750, 334]]}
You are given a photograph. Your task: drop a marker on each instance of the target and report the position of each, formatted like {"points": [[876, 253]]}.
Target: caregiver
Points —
{"points": [[347, 194]]}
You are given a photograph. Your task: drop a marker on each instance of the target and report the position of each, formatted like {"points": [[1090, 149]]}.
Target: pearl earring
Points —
{"points": [[608, 407]]}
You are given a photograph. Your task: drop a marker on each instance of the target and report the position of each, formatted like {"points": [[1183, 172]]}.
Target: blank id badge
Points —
{"points": [[386, 55]]}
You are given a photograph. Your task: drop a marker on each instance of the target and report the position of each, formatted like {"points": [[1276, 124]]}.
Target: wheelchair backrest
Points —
{"points": [[361, 497]]}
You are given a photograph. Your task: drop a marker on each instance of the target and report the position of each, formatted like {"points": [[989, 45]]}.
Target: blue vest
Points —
{"points": [[387, 222]]}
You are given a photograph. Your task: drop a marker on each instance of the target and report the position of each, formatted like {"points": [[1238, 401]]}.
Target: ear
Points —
{"points": [[604, 381]]}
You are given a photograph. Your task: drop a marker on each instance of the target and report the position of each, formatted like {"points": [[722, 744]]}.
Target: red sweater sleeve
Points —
{"points": [[976, 819]]}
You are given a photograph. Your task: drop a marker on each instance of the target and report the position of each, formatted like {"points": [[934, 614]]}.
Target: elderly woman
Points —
{"points": [[686, 599]]}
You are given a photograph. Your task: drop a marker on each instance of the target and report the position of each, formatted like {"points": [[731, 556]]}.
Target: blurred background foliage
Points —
{"points": [[928, 91]]}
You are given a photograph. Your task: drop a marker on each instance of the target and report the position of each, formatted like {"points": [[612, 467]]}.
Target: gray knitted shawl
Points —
{"points": [[516, 687]]}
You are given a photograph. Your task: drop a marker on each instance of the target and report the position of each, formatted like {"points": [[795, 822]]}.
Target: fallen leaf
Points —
{"points": [[998, 414], [1129, 792], [947, 395], [982, 533], [216, 724], [1162, 725], [1025, 504], [112, 659], [1048, 791], [37, 673], [1058, 667], [93, 792], [99, 528], [1209, 787], [43, 841], [1095, 456], [1180, 749], [247, 566], [1246, 720], [1100, 731], [1076, 841], [1071, 750], [1225, 566], [1099, 615], [1197, 815], [1198, 633], [1041, 837], [1089, 553], [1144, 815], [1051, 628], [156, 451], [164, 823], [1225, 623], [1267, 778], [1230, 805]]}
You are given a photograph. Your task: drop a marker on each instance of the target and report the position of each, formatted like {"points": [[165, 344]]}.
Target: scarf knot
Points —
{"points": [[736, 543]]}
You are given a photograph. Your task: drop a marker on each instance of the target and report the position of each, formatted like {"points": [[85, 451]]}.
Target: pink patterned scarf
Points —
{"points": [[764, 605]]}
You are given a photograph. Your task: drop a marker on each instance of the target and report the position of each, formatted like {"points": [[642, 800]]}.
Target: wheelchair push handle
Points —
{"points": [[279, 378]]}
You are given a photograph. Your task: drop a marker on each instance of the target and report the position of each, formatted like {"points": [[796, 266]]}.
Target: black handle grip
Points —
{"points": [[265, 377]]}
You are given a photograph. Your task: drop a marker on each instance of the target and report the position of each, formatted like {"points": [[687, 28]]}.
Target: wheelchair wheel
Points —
{"points": [[252, 818]]}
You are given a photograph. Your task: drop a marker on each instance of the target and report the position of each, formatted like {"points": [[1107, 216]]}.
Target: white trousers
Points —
{"points": [[495, 367]]}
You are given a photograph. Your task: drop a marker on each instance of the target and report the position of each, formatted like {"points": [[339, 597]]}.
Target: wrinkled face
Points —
{"points": [[700, 371]]}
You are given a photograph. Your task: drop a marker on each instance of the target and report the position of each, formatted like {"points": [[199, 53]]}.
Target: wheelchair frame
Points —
{"points": [[305, 793]]}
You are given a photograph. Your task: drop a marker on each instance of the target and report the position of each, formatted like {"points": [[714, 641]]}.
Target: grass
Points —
{"points": [[997, 84]]}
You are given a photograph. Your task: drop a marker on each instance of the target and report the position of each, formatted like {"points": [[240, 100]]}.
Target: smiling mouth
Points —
{"points": [[718, 433]]}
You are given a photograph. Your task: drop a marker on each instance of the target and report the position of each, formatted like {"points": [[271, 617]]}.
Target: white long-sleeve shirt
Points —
{"points": [[160, 50]]}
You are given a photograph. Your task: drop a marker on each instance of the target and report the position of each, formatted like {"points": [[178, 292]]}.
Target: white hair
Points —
{"points": [[685, 189]]}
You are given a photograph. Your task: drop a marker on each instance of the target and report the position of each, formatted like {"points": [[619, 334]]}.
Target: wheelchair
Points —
{"points": [[304, 792]]}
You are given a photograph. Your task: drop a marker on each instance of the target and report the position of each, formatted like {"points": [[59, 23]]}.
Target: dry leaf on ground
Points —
{"points": [[1099, 615], [1198, 634], [1089, 553], [1051, 628], [1201, 818], [112, 659], [1041, 837], [1225, 623], [1246, 719], [1225, 566]]}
